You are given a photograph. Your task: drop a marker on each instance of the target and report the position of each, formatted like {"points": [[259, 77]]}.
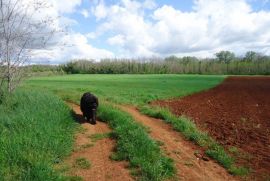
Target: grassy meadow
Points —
{"points": [[126, 89]]}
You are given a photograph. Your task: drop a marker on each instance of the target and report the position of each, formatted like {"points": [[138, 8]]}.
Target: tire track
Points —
{"points": [[98, 153], [189, 167]]}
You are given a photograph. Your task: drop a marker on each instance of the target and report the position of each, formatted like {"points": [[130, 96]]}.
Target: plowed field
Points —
{"points": [[237, 114]]}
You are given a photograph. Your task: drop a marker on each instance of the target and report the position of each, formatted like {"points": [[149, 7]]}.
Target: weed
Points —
{"points": [[81, 147], [88, 145], [116, 157], [74, 178], [241, 171], [63, 168], [188, 164], [243, 120], [233, 150], [176, 152], [218, 153], [99, 136], [135, 172], [82, 163], [159, 143], [81, 130]]}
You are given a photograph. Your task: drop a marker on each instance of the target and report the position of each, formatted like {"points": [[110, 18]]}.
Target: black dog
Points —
{"points": [[89, 105]]}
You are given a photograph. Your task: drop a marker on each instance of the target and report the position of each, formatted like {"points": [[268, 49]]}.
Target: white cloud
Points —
{"points": [[82, 49], [79, 49], [76, 44], [91, 35], [100, 11], [64, 46], [65, 6], [127, 20], [117, 40], [211, 26], [149, 4], [85, 13]]}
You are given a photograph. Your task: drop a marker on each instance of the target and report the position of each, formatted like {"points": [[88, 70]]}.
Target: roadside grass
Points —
{"points": [[36, 133], [192, 133], [134, 145]]}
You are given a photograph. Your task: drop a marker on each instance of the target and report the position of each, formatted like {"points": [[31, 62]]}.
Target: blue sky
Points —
{"points": [[159, 28]]}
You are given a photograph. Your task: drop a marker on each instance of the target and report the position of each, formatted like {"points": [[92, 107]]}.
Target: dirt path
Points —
{"points": [[98, 153], [189, 167]]}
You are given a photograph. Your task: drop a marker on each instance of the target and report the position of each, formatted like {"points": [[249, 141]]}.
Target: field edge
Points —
{"points": [[187, 127]]}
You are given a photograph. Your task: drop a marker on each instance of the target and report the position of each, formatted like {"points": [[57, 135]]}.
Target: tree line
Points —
{"points": [[225, 62]]}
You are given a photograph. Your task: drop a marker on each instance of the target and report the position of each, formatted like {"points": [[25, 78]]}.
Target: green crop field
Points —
{"points": [[127, 89]]}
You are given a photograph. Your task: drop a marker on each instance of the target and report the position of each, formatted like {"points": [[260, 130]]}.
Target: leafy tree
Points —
{"points": [[251, 56], [225, 56]]}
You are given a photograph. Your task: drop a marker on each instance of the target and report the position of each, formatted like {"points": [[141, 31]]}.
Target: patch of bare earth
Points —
{"points": [[97, 153], [237, 114], [190, 165]]}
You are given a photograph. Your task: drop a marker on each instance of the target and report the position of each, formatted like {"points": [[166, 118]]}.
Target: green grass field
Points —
{"points": [[36, 132], [127, 89]]}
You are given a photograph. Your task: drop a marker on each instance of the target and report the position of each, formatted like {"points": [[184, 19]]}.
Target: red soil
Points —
{"points": [[235, 113]]}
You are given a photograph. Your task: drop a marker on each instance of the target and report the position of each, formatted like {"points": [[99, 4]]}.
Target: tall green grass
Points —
{"points": [[36, 132], [192, 133], [135, 146]]}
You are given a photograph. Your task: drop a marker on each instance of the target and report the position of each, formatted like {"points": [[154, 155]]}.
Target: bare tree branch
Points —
{"points": [[22, 30]]}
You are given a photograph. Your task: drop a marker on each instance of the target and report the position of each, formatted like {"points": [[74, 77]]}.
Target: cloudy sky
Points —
{"points": [[147, 28]]}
